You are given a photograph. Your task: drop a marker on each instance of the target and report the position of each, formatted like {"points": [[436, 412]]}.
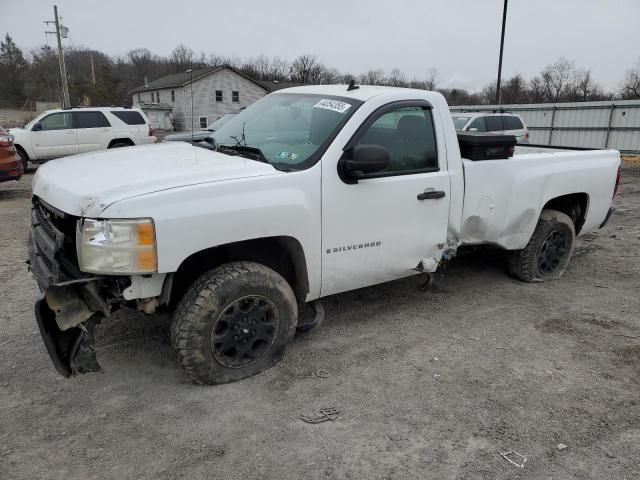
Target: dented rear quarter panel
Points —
{"points": [[504, 198]]}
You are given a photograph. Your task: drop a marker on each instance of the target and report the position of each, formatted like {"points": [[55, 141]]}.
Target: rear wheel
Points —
{"points": [[549, 250], [235, 321]]}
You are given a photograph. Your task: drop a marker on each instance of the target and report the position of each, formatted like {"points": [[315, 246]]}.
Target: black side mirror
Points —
{"points": [[363, 160], [36, 127]]}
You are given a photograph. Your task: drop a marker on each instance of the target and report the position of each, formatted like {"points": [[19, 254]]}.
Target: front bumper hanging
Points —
{"points": [[71, 350]]}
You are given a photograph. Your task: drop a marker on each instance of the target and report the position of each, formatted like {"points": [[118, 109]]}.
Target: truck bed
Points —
{"points": [[503, 198]]}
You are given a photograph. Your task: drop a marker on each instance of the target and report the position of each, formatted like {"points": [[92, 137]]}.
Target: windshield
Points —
{"points": [[460, 122], [220, 122], [289, 130]]}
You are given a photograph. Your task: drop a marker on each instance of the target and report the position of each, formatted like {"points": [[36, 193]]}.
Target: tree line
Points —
{"points": [[96, 78]]}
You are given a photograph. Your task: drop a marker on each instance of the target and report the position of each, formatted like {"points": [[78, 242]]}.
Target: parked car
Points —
{"points": [[62, 132], [312, 191], [494, 123], [10, 165], [199, 135]]}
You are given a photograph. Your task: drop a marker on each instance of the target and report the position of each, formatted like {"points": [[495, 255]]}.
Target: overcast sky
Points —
{"points": [[460, 38]]}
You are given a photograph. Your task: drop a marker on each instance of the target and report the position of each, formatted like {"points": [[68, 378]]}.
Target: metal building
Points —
{"points": [[611, 124]]}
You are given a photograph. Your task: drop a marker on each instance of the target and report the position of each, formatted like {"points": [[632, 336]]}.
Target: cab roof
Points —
{"points": [[362, 93]]}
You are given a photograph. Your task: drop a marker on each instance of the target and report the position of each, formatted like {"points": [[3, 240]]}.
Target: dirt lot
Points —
{"points": [[430, 384]]}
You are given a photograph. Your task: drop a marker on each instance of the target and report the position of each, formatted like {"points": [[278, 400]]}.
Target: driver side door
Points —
{"points": [[385, 225], [56, 136]]}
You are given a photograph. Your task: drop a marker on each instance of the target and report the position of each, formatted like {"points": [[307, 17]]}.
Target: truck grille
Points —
{"points": [[52, 252]]}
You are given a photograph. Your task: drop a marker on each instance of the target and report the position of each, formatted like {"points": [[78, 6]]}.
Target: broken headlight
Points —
{"points": [[116, 246]]}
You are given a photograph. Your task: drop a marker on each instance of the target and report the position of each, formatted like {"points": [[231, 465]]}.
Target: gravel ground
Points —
{"points": [[430, 384]]}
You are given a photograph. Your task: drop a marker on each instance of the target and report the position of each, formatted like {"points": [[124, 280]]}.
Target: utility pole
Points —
{"points": [[93, 71], [61, 31], [504, 21]]}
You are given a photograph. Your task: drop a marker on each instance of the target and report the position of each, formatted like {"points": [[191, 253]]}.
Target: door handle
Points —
{"points": [[431, 195]]}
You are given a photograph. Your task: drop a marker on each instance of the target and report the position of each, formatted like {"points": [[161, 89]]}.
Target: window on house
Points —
{"points": [[218, 95], [157, 97], [139, 98], [235, 97], [173, 96], [203, 122]]}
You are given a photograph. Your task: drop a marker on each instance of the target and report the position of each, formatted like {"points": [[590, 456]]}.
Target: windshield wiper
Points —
{"points": [[253, 153]]}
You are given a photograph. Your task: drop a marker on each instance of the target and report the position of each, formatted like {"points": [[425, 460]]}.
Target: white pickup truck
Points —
{"points": [[309, 192]]}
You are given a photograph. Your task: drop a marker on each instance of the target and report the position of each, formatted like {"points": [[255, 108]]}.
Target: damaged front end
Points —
{"points": [[72, 302]]}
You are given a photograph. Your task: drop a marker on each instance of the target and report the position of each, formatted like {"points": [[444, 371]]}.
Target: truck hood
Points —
{"points": [[196, 135], [84, 185]]}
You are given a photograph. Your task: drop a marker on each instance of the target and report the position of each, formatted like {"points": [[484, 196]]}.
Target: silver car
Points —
{"points": [[497, 123]]}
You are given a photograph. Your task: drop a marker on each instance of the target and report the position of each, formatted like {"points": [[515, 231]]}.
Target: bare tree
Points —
{"points": [[396, 78], [181, 58], [306, 69], [557, 77], [536, 90], [431, 82], [631, 84], [372, 77], [584, 88]]}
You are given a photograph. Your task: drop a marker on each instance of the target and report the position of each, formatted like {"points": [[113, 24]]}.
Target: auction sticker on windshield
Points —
{"points": [[333, 105]]}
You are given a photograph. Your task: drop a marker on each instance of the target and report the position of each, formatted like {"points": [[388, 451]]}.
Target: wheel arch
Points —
{"points": [[574, 205], [22, 149], [282, 254], [120, 140]]}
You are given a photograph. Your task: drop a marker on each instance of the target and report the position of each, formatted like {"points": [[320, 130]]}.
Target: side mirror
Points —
{"points": [[363, 160], [473, 130], [36, 127]]}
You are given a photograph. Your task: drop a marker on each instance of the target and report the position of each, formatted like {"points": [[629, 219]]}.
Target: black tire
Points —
{"points": [[215, 307], [24, 158], [549, 250], [120, 144]]}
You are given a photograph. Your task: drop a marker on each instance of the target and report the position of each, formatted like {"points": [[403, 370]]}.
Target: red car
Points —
{"points": [[10, 165]]}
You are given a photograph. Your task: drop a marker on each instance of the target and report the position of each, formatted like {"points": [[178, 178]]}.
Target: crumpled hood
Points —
{"points": [[84, 185]]}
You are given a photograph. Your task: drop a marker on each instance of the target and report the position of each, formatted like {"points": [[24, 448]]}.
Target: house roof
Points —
{"points": [[273, 85], [184, 78]]}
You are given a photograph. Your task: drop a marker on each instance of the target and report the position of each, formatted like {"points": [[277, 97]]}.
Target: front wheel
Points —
{"points": [[235, 321], [549, 250]]}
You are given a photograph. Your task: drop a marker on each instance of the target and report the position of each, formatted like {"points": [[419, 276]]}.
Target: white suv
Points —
{"points": [[61, 132], [496, 123]]}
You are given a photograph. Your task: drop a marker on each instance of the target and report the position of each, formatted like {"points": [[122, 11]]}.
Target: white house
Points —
{"points": [[213, 92]]}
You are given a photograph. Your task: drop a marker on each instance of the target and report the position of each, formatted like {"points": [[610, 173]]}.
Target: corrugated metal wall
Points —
{"points": [[613, 124]]}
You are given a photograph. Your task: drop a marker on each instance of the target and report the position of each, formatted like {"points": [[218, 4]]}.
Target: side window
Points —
{"points": [[130, 117], [90, 120], [478, 124], [56, 121], [494, 123], [512, 123], [409, 136]]}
